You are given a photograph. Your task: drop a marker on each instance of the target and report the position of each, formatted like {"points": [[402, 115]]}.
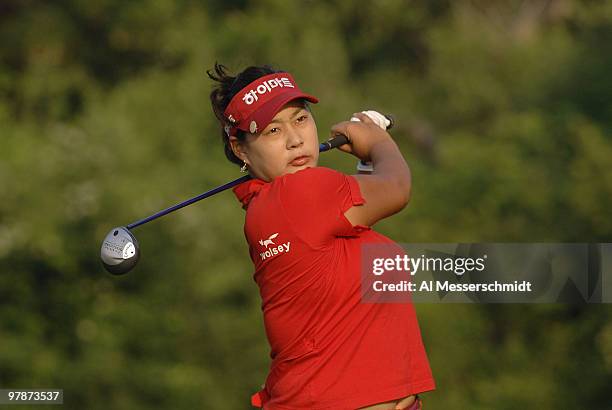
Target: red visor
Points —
{"points": [[252, 109]]}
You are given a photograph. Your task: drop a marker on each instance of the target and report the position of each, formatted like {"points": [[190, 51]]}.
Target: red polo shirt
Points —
{"points": [[329, 350]]}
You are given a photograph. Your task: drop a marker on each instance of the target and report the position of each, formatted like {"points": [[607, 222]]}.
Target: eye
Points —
{"points": [[273, 130], [302, 118]]}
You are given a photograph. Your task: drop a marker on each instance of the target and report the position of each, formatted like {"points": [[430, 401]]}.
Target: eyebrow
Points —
{"points": [[293, 114]]}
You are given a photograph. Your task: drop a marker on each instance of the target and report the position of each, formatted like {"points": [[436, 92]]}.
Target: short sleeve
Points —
{"points": [[314, 201]]}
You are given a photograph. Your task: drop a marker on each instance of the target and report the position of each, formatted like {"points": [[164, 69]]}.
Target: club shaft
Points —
{"points": [[325, 146], [190, 201]]}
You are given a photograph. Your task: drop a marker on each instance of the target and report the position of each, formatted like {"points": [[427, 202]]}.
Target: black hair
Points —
{"points": [[226, 88]]}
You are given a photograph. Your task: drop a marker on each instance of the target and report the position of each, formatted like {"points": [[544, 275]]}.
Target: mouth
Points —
{"points": [[299, 161]]}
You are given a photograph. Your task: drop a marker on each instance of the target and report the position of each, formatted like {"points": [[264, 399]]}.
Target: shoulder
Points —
{"points": [[320, 186], [314, 172], [316, 176]]}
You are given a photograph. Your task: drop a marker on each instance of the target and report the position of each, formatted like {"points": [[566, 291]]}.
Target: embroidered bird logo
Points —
{"points": [[268, 241]]}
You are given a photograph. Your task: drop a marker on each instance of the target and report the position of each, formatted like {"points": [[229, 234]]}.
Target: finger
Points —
{"points": [[405, 403], [342, 128]]}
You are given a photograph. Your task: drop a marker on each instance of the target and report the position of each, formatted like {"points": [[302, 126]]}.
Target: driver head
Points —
{"points": [[120, 251]]}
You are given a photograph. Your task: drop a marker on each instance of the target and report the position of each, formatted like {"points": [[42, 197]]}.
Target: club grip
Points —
{"points": [[338, 140], [391, 120], [333, 143]]}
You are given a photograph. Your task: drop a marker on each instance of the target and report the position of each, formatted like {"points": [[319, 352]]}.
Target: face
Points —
{"points": [[288, 144]]}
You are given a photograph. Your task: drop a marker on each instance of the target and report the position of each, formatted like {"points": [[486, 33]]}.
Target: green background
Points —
{"points": [[504, 113]]}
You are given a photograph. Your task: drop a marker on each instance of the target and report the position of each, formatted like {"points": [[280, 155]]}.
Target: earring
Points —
{"points": [[244, 167]]}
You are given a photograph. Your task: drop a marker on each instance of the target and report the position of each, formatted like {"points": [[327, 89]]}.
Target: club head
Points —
{"points": [[120, 251]]}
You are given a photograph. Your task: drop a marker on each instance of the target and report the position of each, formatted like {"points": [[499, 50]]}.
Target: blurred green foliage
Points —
{"points": [[504, 113]]}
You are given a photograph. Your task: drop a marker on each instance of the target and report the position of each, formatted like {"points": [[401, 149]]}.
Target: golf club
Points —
{"points": [[120, 250]]}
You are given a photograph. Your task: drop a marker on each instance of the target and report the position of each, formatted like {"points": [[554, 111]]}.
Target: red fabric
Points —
{"points": [[328, 350], [253, 107]]}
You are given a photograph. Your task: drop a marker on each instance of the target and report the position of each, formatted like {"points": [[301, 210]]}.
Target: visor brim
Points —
{"points": [[263, 116]]}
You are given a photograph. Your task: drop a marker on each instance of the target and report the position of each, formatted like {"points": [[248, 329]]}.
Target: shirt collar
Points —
{"points": [[247, 190]]}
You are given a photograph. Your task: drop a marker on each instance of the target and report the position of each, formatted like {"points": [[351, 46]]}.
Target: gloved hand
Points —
{"points": [[380, 120]]}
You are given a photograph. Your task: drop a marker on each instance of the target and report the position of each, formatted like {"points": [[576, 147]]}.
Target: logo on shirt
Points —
{"points": [[268, 241], [275, 250]]}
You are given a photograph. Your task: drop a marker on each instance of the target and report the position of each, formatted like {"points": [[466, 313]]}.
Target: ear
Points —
{"points": [[239, 148]]}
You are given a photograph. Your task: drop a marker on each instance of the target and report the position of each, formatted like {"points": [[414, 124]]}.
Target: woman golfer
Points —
{"points": [[305, 226]]}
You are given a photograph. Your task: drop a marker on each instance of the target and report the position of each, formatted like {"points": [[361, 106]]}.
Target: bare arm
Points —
{"points": [[387, 190]]}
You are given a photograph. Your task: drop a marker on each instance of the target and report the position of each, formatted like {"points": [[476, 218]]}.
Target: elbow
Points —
{"points": [[403, 190], [405, 195]]}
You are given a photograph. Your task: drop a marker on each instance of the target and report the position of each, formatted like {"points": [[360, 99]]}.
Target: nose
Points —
{"points": [[294, 138]]}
